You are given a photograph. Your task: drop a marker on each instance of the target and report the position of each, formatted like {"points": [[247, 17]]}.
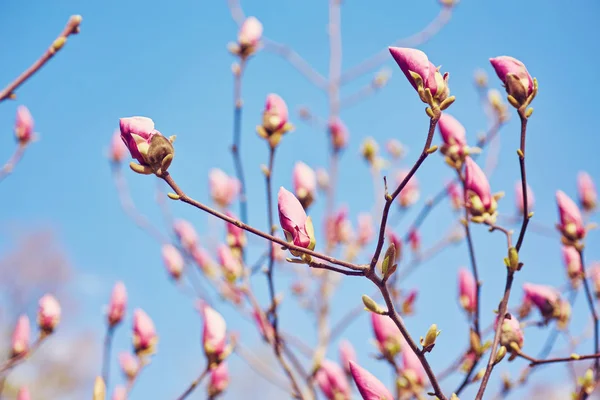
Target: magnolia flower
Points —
{"points": [[548, 301], [297, 227], [422, 74], [23, 125], [20, 337], [347, 355], [223, 189], [332, 381], [186, 234], [520, 200], [454, 136], [236, 237], [130, 364], [232, 267], [410, 193], [511, 331], [305, 183], [339, 134], [250, 32], [48, 313], [588, 197], [118, 150], [214, 339], [137, 134], [481, 202], [23, 394], [173, 260], [571, 222], [412, 370], [573, 264], [387, 335], [456, 195], [144, 334], [218, 381], [370, 388], [117, 304], [513, 73], [365, 228], [467, 289], [275, 116]]}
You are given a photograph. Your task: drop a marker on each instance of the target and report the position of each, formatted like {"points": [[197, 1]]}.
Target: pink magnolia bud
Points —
{"points": [[456, 195], [588, 197], [454, 136], [305, 183], [519, 197], [23, 394], [515, 77], [480, 201], [118, 150], [130, 364], [117, 304], [370, 388], [223, 189], [236, 237], [186, 234], [365, 228], [408, 303], [250, 32], [264, 327], [23, 125], [275, 115], [144, 334], [414, 239], [411, 193], [338, 227], [232, 267], [203, 259], [231, 292], [467, 290], [332, 381], [571, 222], [395, 239], [412, 368], [137, 133], [48, 313], [421, 73], [511, 332], [347, 355], [219, 380], [120, 393], [573, 264], [339, 134], [296, 225], [387, 335], [214, 334], [20, 337], [545, 298], [173, 260]]}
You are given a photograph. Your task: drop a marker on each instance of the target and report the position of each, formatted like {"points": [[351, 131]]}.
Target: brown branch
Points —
{"points": [[195, 383], [20, 358], [592, 307], [526, 215], [71, 28]]}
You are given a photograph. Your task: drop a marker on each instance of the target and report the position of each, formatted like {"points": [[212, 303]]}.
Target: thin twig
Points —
{"points": [[592, 307], [237, 139], [106, 354], [195, 383], [12, 161]]}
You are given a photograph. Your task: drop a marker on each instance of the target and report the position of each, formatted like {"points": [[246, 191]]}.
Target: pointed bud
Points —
{"points": [[117, 304], [186, 234], [130, 364], [48, 313], [371, 305], [588, 197], [332, 381], [387, 335], [23, 125], [467, 290], [99, 389], [430, 338], [144, 334], [173, 260], [236, 236], [294, 222], [305, 184], [481, 203], [223, 188], [513, 73], [230, 263], [388, 267], [214, 335], [347, 355], [338, 133], [571, 222], [368, 385], [218, 381], [20, 337], [250, 32]]}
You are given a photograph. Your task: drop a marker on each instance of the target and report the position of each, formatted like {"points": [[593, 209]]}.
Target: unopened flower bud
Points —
{"points": [[99, 389], [23, 125], [20, 337], [117, 304], [430, 338], [144, 334], [48, 313], [218, 381], [173, 260], [371, 305], [517, 81], [130, 364], [23, 394], [369, 149]]}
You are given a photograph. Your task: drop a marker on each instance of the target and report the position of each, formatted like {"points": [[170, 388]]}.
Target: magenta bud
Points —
{"points": [[338, 133], [20, 337], [23, 125], [48, 313], [387, 335], [231, 264], [218, 381], [296, 225], [588, 197], [347, 355], [511, 331], [412, 369], [454, 137], [571, 222], [545, 298], [305, 183], [572, 263], [480, 199], [414, 239], [120, 393], [223, 188], [173, 260], [236, 237], [214, 334], [275, 115], [137, 133], [250, 32], [395, 239], [514, 75], [467, 290], [333, 381], [368, 385], [410, 193], [186, 234], [144, 333], [117, 304], [203, 259], [338, 227], [23, 394], [130, 364]]}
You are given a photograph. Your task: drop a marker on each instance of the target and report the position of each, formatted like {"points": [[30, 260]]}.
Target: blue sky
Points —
{"points": [[168, 61]]}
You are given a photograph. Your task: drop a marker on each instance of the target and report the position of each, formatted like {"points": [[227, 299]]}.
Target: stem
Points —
{"points": [[535, 361], [590, 301], [523, 177], [106, 354], [271, 283], [16, 360], [195, 383], [71, 28], [12, 161], [237, 140]]}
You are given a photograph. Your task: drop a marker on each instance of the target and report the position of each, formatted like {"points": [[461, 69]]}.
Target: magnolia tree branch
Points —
{"points": [[195, 383], [106, 353], [237, 138], [71, 28], [12, 161], [18, 359], [296, 61], [592, 307]]}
